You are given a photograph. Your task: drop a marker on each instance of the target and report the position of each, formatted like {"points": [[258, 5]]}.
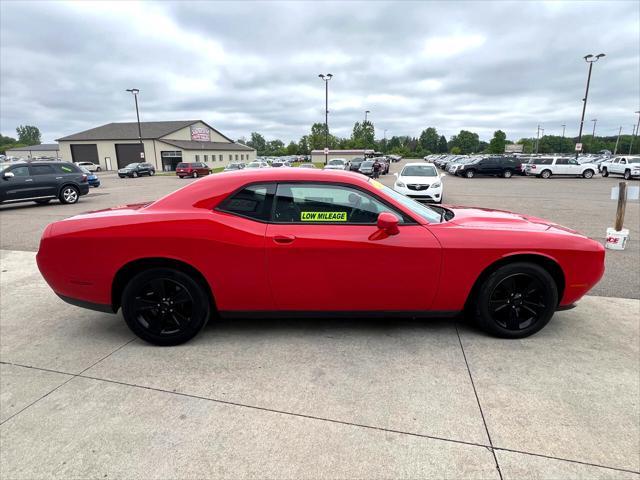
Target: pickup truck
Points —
{"points": [[627, 166], [545, 167]]}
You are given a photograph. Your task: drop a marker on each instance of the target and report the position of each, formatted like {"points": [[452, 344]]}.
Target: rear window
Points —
{"points": [[67, 168], [41, 170], [253, 202], [541, 161]]}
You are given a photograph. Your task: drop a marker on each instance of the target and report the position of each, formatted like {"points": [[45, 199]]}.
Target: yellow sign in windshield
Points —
{"points": [[323, 216]]}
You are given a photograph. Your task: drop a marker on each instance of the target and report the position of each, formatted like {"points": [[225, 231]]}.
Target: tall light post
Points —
{"points": [[537, 138], [635, 133], [366, 112], [593, 134], [615, 150], [564, 126], [326, 79], [590, 59], [385, 140], [135, 92]]}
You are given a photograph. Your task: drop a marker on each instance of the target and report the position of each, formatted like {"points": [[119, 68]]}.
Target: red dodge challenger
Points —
{"points": [[300, 242]]}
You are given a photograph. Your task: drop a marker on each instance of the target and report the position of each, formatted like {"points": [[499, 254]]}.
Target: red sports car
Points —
{"points": [[300, 242]]}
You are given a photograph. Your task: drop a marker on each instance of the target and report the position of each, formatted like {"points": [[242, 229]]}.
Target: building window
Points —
{"points": [[220, 157], [230, 157], [197, 158], [206, 157], [236, 157]]}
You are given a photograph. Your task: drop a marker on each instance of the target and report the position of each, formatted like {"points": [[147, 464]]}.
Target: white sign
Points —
{"points": [[513, 148], [578, 147], [633, 193], [141, 154], [200, 134], [326, 151]]}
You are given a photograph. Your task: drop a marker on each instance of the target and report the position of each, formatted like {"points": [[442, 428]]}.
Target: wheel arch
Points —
{"points": [[68, 184], [546, 262], [131, 269]]}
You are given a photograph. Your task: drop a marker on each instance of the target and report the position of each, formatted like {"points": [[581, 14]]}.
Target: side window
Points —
{"points": [[572, 161], [65, 168], [326, 203], [562, 161], [253, 202], [20, 171], [41, 170], [623, 161]]}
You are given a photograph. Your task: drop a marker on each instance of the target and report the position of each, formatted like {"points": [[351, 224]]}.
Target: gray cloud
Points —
{"points": [[253, 66]]}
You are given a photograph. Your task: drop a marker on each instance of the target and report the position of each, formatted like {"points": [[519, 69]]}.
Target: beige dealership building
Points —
{"points": [[165, 144]]}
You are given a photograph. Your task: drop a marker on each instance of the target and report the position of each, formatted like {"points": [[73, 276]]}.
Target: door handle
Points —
{"points": [[284, 239]]}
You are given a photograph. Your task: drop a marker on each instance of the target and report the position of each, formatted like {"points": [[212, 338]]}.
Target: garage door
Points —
{"points": [[85, 153], [127, 153]]}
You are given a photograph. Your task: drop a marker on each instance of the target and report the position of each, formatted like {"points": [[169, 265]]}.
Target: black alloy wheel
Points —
{"points": [[516, 300], [134, 174], [507, 174], [627, 174], [165, 306], [469, 173]]}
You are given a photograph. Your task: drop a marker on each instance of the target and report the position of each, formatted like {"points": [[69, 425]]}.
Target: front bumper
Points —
{"points": [[432, 194]]}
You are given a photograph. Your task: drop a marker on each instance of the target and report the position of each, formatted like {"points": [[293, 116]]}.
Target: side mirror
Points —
{"points": [[389, 223], [8, 175]]}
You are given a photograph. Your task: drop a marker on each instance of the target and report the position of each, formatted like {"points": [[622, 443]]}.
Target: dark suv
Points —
{"points": [[496, 166], [41, 182], [136, 170]]}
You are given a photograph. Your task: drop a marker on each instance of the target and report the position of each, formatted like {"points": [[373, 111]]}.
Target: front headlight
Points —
{"points": [[400, 184], [436, 185]]}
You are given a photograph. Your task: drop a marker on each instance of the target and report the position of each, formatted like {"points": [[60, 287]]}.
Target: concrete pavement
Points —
{"points": [[357, 398]]}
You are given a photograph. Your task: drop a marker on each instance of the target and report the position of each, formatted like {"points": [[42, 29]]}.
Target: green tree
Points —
{"points": [[303, 145], [428, 140], [275, 148], [467, 142], [442, 145], [317, 137], [28, 134], [363, 135], [258, 142], [497, 143], [456, 150], [292, 148]]}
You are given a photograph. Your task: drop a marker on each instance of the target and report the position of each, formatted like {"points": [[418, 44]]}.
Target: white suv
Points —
{"points": [[628, 167], [421, 181], [545, 167]]}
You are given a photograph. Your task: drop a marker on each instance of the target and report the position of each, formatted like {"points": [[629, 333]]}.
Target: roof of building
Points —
{"points": [[129, 130], [37, 148], [196, 145]]}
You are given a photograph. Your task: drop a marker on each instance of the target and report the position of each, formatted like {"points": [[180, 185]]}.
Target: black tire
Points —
{"points": [[164, 306], [43, 201], [98, 169], [470, 173], [194, 174], [516, 300], [627, 174], [69, 194], [545, 174], [134, 174], [588, 174], [605, 172], [507, 174], [152, 173]]}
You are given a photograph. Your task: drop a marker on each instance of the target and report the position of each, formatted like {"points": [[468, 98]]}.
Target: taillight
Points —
{"points": [[84, 178]]}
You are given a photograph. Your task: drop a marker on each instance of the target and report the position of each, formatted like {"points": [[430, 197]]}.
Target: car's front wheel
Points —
{"points": [[99, 169], [546, 174], [507, 174], [516, 300], [152, 173], [469, 174], [627, 174], [605, 172], [134, 174], [164, 306], [69, 194], [194, 174], [588, 174]]}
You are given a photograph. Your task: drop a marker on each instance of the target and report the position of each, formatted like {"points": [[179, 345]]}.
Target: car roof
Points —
{"points": [[418, 164]]}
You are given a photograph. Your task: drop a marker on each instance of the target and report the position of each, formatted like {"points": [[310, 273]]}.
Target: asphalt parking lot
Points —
{"points": [[80, 397]]}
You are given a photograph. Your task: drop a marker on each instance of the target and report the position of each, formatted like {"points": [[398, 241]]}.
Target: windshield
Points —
{"points": [[132, 165], [336, 161], [633, 160], [419, 171], [423, 211], [366, 163], [182, 165], [254, 164]]}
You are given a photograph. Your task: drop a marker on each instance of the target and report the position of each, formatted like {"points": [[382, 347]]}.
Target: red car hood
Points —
{"points": [[500, 219]]}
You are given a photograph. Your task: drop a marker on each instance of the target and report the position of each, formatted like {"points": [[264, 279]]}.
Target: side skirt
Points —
{"points": [[337, 314]]}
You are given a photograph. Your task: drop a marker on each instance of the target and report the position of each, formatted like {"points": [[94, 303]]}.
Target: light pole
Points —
{"points": [[590, 59], [326, 79], [135, 92], [635, 133], [385, 140], [615, 150], [593, 135], [366, 112], [537, 138], [562, 144]]}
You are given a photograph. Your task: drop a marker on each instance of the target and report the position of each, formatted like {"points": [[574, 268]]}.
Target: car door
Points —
{"points": [[573, 167], [325, 253], [16, 186], [45, 180], [560, 166], [488, 166]]}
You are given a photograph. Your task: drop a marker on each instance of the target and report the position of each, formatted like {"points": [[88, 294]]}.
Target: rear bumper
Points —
{"points": [[84, 188], [98, 307]]}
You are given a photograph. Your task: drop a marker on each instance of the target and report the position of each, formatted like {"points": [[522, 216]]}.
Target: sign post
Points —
{"points": [[578, 147]]}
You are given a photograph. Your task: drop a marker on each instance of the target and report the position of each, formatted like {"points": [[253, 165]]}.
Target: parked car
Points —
{"points": [[92, 167], [281, 163], [136, 170], [234, 167], [41, 182], [511, 272], [257, 164], [354, 164], [419, 181], [193, 169], [92, 178], [337, 164], [307, 165], [627, 166], [545, 167], [366, 168], [493, 166]]}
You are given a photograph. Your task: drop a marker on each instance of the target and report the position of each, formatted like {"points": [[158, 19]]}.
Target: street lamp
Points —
{"points": [[562, 144], [135, 92], [593, 135], [590, 59], [635, 133], [326, 79], [385, 140], [538, 138], [366, 112]]}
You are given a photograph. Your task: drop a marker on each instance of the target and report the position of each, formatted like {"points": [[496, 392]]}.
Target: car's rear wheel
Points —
{"points": [[69, 194], [605, 172], [469, 173], [516, 300], [588, 174], [134, 174], [99, 169], [194, 174], [164, 306], [627, 174], [152, 173], [546, 174], [42, 201], [507, 174]]}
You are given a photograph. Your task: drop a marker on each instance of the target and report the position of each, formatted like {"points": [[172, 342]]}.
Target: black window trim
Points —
{"points": [[406, 219]]}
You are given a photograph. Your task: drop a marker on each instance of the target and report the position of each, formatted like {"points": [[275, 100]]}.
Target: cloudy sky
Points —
{"points": [[253, 66]]}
